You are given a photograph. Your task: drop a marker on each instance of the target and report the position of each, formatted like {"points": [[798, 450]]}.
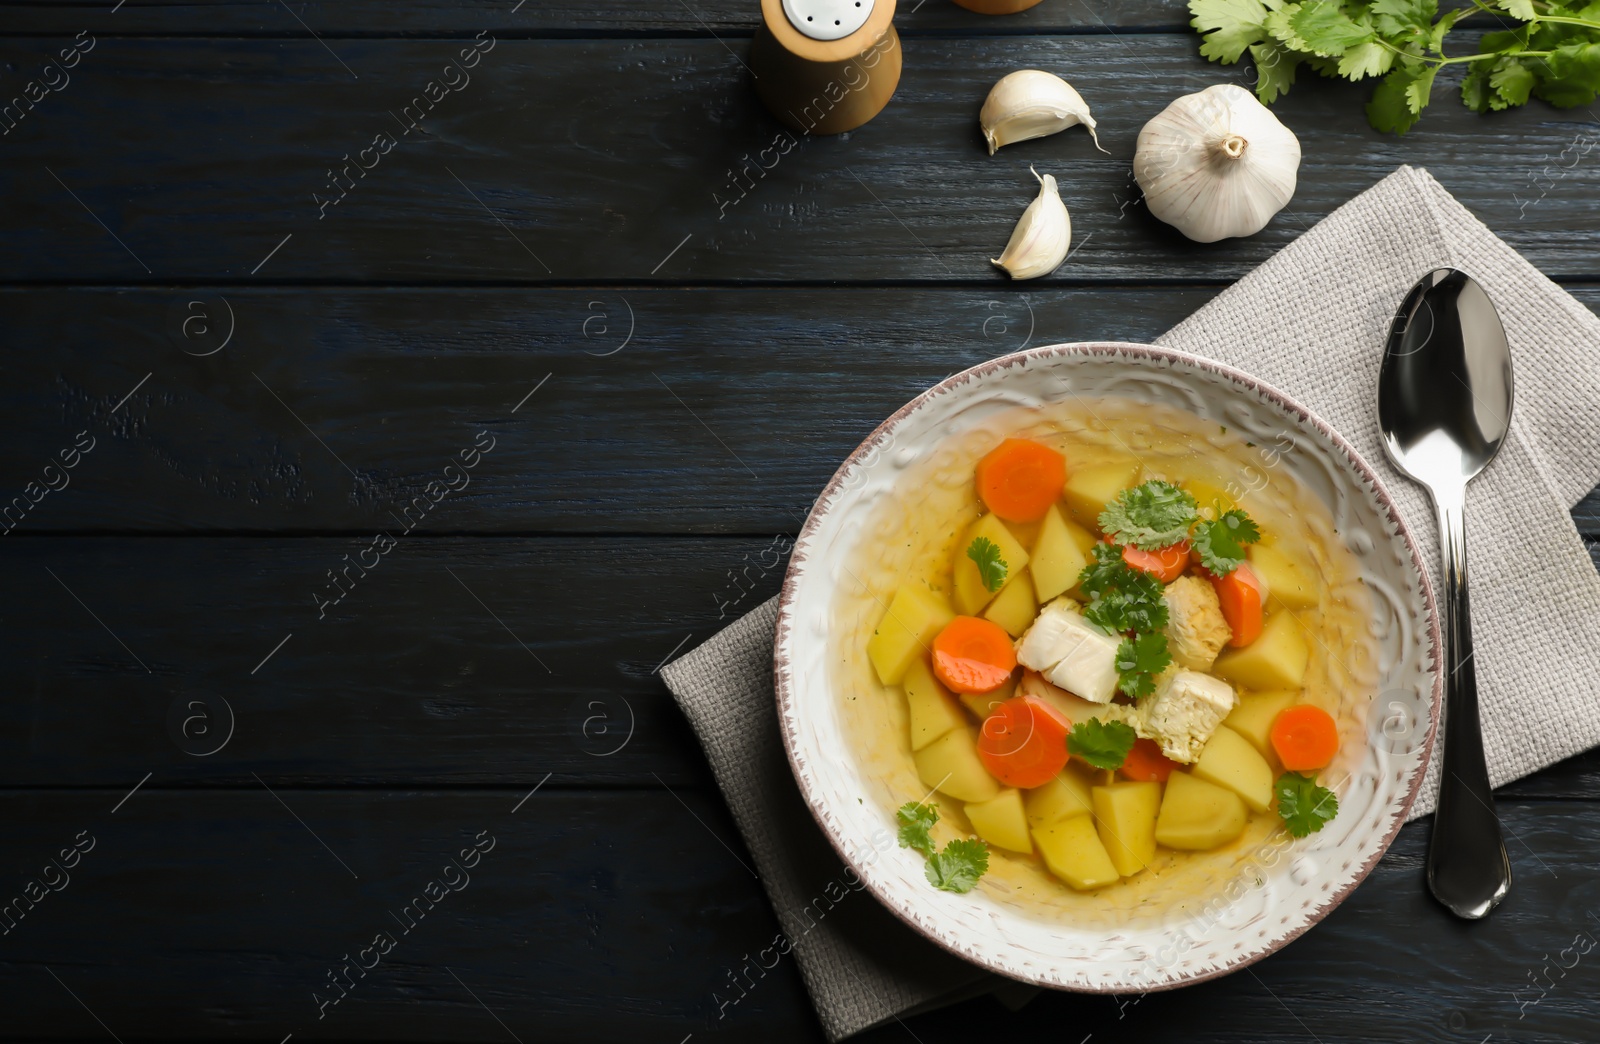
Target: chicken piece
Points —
{"points": [[1071, 652], [1181, 715], [1196, 628]]}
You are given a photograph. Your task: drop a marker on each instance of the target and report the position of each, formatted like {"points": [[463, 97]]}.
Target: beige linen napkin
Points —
{"points": [[1312, 321]]}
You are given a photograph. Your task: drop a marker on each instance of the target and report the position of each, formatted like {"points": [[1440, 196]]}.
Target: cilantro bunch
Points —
{"points": [[954, 869], [1554, 55], [1123, 599]]}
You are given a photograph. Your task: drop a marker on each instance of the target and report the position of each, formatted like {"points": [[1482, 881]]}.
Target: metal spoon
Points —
{"points": [[1444, 406]]}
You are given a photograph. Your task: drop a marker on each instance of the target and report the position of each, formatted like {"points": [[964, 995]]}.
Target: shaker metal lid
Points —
{"points": [[827, 19]]}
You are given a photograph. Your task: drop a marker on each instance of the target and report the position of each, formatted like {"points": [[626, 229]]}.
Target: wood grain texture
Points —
{"points": [[467, 661], [565, 932], [464, 661], [738, 18], [521, 177], [665, 411]]}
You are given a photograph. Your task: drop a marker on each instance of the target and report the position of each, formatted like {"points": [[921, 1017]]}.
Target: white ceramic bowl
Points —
{"points": [[1266, 896]]}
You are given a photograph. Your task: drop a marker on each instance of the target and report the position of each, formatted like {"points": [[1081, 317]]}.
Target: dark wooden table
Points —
{"points": [[383, 513]]}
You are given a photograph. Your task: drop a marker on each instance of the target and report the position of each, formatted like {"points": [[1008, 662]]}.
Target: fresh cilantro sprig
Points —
{"points": [[1554, 55], [1149, 516], [1139, 660], [1304, 805], [915, 821], [1220, 541], [1103, 744], [1105, 570], [958, 867], [954, 869], [992, 569], [1124, 600], [1134, 607]]}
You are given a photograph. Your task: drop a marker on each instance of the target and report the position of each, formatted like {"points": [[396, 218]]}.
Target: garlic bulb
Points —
{"points": [[1031, 104], [1039, 243], [1216, 164]]}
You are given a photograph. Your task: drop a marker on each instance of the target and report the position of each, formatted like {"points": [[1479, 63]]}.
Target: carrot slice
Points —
{"points": [[1023, 743], [1165, 564], [1305, 736], [1019, 480], [1240, 595], [973, 655], [1147, 763]]}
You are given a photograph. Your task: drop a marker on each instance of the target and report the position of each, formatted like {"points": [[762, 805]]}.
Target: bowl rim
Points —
{"points": [[782, 674]]}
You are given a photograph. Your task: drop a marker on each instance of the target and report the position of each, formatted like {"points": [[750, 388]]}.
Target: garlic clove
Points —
{"points": [[1032, 103], [1216, 164], [1039, 243]]}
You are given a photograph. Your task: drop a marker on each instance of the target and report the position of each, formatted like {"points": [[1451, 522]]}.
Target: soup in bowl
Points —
{"points": [[1107, 667]]}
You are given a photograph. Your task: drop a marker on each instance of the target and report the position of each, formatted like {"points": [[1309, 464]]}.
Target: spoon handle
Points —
{"points": [[1467, 866]]}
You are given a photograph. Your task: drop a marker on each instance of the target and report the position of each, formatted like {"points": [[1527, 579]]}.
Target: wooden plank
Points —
{"points": [[522, 177], [654, 403], [224, 911], [463, 661], [564, 932], [644, 431], [344, 18]]}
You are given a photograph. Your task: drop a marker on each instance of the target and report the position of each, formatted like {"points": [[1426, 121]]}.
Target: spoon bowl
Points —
{"points": [[1445, 394]]}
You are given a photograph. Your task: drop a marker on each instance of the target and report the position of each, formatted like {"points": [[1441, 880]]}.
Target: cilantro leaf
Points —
{"points": [[1104, 571], [1569, 77], [1220, 541], [1151, 516], [958, 867], [1137, 606], [992, 568], [1304, 806], [1275, 66], [1103, 744], [1139, 660], [915, 822], [1408, 19], [1400, 98], [1326, 29], [1512, 81], [1227, 27], [1365, 59]]}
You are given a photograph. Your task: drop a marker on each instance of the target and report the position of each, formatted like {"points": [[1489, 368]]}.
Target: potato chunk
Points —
{"points": [[1056, 560], [1254, 715], [1196, 815], [916, 615], [982, 704], [1065, 796], [1014, 607], [971, 594], [1275, 660], [1288, 582], [1125, 816], [1001, 821], [1230, 761], [1089, 490], [950, 764], [1073, 852], [934, 711]]}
